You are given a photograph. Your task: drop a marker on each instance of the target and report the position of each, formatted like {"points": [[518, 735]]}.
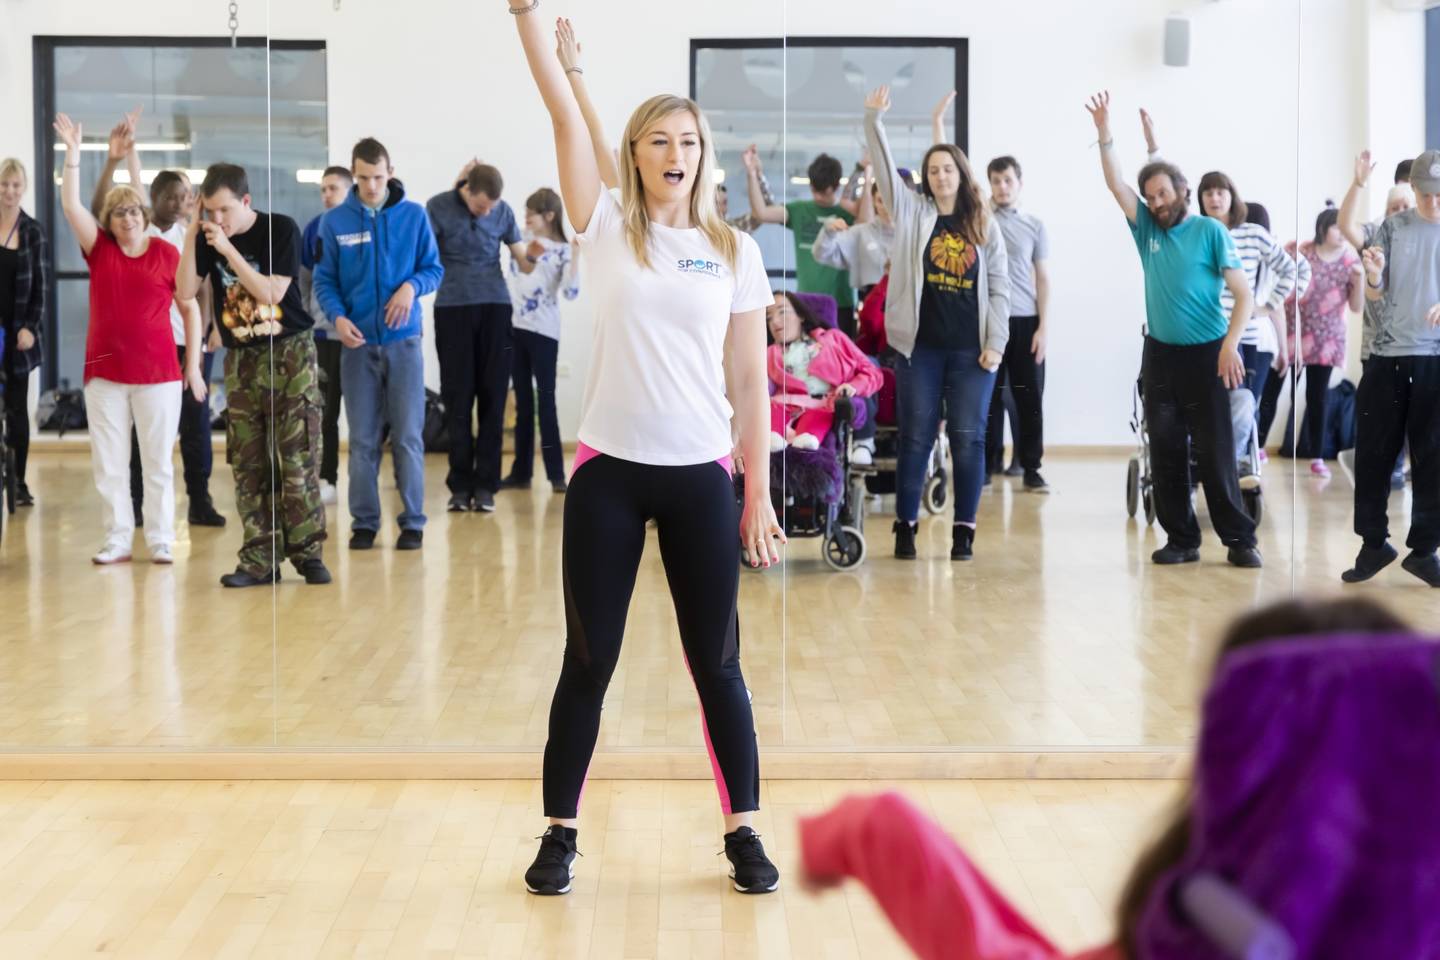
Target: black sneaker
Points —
{"points": [[554, 865], [750, 870], [904, 540], [558, 486], [962, 544], [243, 578], [1171, 554], [1370, 561], [1035, 483], [459, 503], [484, 501], [23, 496], [203, 513], [314, 571], [1247, 557], [410, 540], [1426, 566], [362, 539], [513, 482]]}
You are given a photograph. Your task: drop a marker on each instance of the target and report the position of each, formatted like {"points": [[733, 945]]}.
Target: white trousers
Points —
{"points": [[153, 409]]}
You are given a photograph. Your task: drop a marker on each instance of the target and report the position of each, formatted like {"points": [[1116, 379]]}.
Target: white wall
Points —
{"points": [[443, 79]]}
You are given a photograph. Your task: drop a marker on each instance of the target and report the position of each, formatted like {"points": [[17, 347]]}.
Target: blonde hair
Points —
{"points": [[703, 214], [118, 197], [10, 167]]}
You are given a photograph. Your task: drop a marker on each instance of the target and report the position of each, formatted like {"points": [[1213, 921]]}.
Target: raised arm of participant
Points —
{"points": [[1350, 219], [1147, 127], [760, 207], [937, 119], [580, 183], [568, 50], [121, 146], [834, 245], [1099, 107], [896, 193], [82, 221]]}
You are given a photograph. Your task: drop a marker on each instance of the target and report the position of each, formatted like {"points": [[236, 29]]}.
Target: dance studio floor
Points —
{"points": [[432, 869], [1061, 633]]}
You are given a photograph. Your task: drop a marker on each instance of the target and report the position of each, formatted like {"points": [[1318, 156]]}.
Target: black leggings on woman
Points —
{"points": [[606, 510], [1317, 389]]}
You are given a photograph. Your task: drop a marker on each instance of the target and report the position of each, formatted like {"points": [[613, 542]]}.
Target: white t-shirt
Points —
{"points": [[175, 236], [656, 388]]}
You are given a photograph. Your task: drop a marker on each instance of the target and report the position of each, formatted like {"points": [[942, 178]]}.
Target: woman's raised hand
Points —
{"points": [[878, 99]]}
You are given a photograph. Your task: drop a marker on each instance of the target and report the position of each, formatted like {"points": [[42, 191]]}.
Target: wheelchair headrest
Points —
{"points": [[823, 306], [1316, 784]]}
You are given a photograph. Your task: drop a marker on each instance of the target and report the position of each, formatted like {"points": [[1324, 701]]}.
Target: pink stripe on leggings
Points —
{"points": [[584, 453], [720, 786]]}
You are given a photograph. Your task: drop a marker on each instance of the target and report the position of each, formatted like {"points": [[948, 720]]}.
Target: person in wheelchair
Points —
{"points": [[811, 366]]}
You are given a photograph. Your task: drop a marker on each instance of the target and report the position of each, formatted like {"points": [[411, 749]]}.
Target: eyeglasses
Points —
{"points": [[127, 212]]}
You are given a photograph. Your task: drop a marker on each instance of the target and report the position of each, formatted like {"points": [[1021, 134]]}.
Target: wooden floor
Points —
{"points": [[433, 869], [1060, 634]]}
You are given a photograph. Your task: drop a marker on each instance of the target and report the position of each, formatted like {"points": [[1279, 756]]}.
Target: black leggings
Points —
{"points": [[1317, 388], [606, 510], [17, 404]]}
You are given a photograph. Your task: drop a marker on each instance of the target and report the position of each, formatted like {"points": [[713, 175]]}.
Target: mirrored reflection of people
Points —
{"points": [[272, 388], [132, 373], [1192, 356], [680, 303], [1398, 399], [947, 313], [378, 258], [24, 260]]}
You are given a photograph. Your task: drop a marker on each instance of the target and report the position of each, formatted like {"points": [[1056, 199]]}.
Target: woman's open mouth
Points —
{"points": [[674, 177]]}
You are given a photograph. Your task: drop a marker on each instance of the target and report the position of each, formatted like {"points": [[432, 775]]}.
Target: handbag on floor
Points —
{"points": [[61, 410], [436, 434]]}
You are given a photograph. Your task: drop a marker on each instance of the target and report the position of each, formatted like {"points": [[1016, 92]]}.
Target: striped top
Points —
{"points": [[1261, 258]]}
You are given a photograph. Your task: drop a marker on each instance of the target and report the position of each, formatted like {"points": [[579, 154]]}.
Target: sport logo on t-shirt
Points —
{"points": [[952, 258], [242, 315], [707, 268]]}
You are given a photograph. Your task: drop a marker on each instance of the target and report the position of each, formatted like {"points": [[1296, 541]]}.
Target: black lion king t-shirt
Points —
{"points": [[272, 247], [949, 300]]}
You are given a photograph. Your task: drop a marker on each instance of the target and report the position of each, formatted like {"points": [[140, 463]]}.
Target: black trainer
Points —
{"points": [[410, 540], [314, 571], [1036, 483], [203, 513], [362, 539], [750, 870], [243, 578], [1171, 554], [513, 482], [484, 501], [1426, 566], [904, 540], [1370, 561], [1247, 557], [459, 503], [558, 486], [962, 543], [554, 865], [23, 496]]}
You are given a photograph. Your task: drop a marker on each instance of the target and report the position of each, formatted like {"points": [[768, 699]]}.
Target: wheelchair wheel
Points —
{"points": [[936, 494], [1132, 486], [844, 548], [1254, 503], [858, 494], [1147, 496]]}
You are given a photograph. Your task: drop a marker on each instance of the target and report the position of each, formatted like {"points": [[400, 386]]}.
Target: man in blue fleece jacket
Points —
{"points": [[378, 257]]}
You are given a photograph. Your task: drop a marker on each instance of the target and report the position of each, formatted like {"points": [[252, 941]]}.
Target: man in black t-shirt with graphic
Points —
{"points": [[272, 384]]}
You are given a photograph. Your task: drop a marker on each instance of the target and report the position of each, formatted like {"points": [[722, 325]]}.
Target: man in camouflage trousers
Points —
{"points": [[272, 384], [272, 443]]}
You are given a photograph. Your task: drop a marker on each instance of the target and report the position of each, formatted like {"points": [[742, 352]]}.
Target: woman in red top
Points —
{"points": [[131, 370]]}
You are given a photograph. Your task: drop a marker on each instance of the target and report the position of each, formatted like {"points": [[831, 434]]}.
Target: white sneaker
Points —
{"points": [[161, 554], [862, 457], [805, 441], [327, 492], [112, 553], [777, 442]]}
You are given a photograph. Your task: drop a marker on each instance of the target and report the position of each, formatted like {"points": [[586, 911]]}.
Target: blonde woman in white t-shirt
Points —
{"points": [[680, 303]]}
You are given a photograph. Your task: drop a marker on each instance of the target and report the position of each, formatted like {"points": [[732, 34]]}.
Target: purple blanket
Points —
{"points": [[1318, 797]]}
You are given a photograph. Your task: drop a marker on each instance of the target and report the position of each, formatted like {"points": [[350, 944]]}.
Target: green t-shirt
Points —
{"points": [[805, 219], [1184, 273]]}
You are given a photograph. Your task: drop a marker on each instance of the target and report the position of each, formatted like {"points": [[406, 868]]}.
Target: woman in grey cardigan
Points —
{"points": [[948, 315]]}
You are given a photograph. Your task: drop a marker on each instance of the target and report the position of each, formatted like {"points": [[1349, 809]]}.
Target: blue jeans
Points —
{"points": [[928, 378], [385, 383]]}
